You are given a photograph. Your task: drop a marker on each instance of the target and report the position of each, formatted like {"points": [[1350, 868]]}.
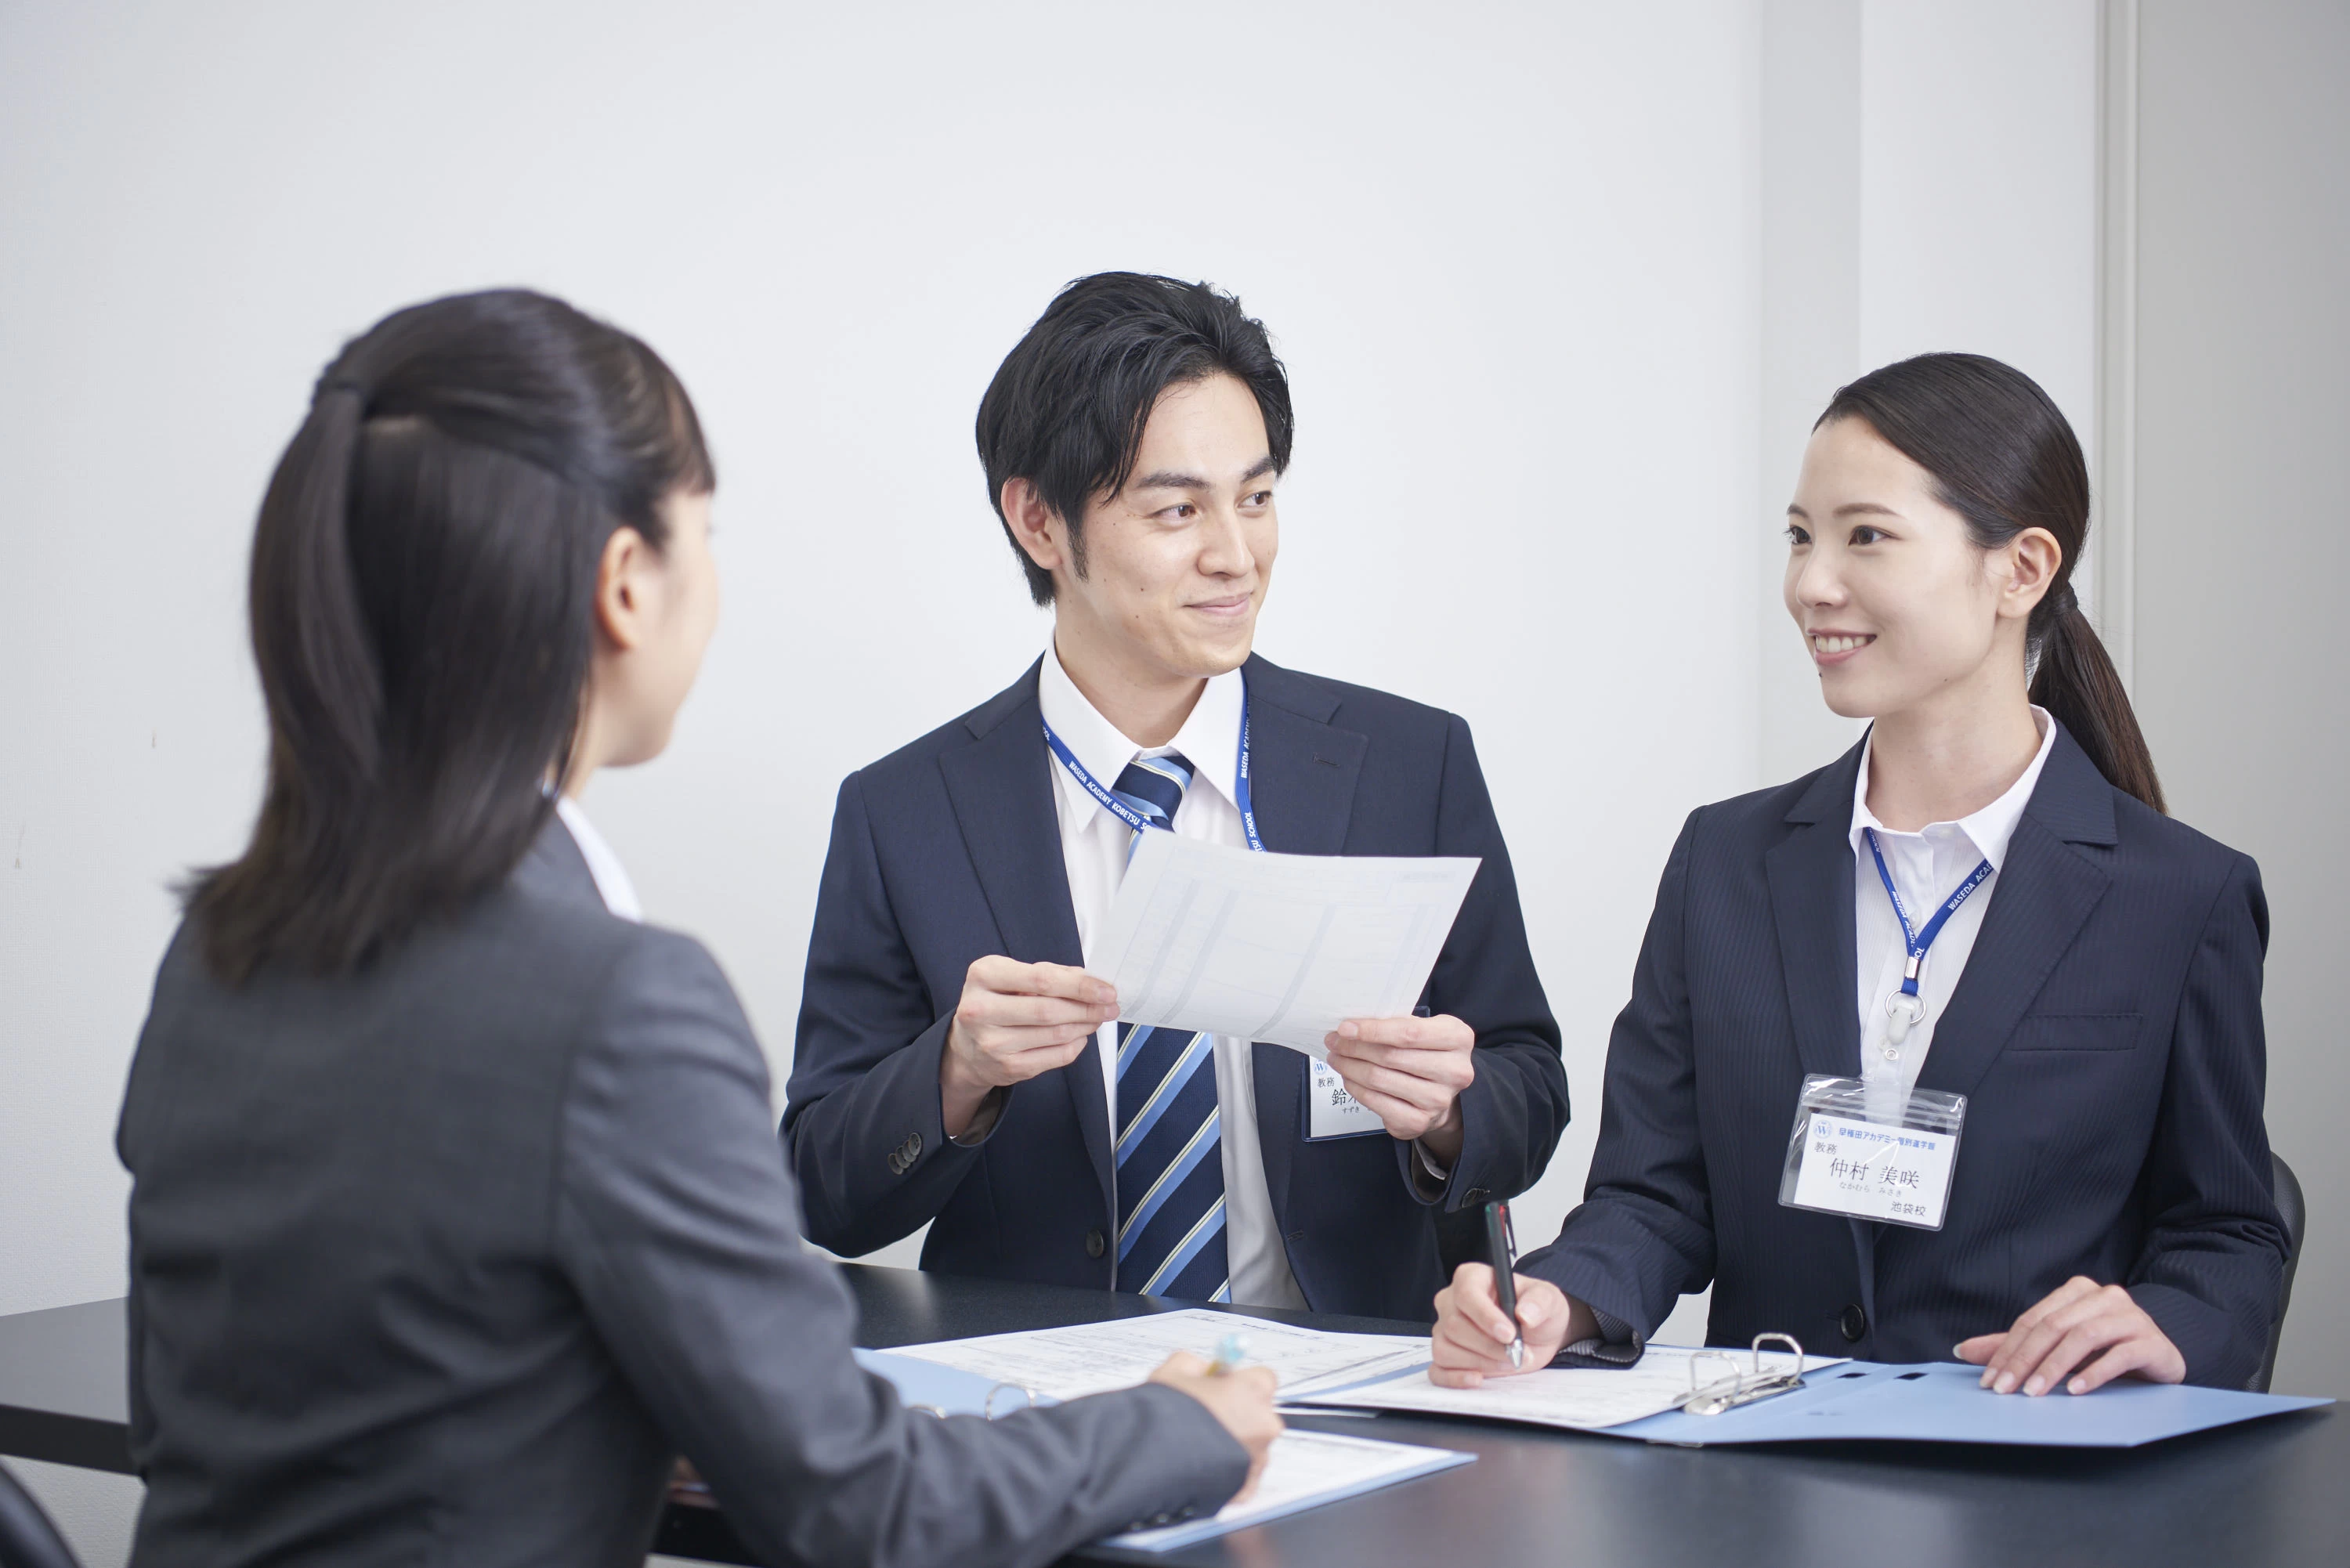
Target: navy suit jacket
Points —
{"points": [[949, 850], [2106, 1033]]}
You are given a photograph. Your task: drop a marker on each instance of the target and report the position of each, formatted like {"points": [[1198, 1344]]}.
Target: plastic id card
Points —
{"points": [[1841, 1162]]}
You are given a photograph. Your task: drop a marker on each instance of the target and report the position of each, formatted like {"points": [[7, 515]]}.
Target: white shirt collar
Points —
{"points": [[1210, 739], [1989, 829], [612, 882]]}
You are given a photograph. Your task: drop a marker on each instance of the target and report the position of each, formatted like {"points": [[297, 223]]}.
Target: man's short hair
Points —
{"points": [[1068, 405]]}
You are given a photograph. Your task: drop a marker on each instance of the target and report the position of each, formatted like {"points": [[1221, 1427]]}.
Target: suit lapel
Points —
{"points": [[1302, 771], [1002, 790], [2042, 895], [1302, 768], [1810, 873]]}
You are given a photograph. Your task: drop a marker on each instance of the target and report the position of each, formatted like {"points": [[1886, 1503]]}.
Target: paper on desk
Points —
{"points": [[1278, 948], [1095, 1357], [1582, 1399], [1306, 1469]]}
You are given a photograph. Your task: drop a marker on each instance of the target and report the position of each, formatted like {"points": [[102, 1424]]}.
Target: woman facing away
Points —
{"points": [[1978, 923], [456, 1210]]}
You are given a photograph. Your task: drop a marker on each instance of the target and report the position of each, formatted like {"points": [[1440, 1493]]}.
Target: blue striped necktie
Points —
{"points": [[1170, 1161]]}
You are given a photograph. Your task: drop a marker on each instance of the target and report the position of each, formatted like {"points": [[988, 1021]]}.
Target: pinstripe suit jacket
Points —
{"points": [[2106, 1032]]}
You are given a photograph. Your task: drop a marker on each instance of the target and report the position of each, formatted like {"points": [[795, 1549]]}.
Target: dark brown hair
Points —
{"points": [[422, 582], [2004, 458]]}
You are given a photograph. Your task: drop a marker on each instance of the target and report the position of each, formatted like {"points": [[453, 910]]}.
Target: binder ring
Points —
{"points": [[1028, 1398], [1743, 1387]]}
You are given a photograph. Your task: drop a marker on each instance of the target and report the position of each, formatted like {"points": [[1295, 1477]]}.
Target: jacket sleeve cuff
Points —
{"points": [[1616, 1344]]}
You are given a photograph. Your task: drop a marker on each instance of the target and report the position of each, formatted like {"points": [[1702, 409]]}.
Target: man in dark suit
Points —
{"points": [[956, 1064]]}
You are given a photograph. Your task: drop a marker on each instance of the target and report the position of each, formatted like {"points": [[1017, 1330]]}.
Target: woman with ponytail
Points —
{"points": [[1953, 1048], [456, 1207]]}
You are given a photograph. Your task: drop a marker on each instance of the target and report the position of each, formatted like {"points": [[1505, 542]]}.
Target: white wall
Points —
{"points": [[1929, 177], [2242, 375]]}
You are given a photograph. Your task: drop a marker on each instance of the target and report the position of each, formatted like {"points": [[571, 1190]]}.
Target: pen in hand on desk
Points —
{"points": [[1231, 1351], [1504, 1249]]}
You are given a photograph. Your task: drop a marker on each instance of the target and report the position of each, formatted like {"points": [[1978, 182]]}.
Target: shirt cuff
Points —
{"points": [[1443, 1173], [983, 1120]]}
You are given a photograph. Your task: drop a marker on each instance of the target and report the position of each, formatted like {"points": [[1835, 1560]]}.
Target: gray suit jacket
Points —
{"points": [[444, 1263]]}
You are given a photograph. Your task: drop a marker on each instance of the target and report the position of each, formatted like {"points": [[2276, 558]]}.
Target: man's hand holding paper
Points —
{"points": [[1410, 1072]]}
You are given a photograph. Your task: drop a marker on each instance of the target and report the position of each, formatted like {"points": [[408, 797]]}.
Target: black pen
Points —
{"points": [[1504, 1248]]}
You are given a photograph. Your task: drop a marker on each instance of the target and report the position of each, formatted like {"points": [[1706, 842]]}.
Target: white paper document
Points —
{"points": [[1583, 1398], [1277, 948], [1306, 1469], [1095, 1357]]}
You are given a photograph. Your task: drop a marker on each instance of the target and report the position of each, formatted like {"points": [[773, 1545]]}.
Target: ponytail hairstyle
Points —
{"points": [[2004, 458], [422, 596]]}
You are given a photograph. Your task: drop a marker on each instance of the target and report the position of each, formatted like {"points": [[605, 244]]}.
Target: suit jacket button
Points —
{"points": [[1475, 1195], [1853, 1323], [1095, 1245]]}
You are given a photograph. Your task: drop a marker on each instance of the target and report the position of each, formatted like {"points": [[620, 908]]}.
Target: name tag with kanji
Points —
{"points": [[1846, 1155], [1330, 1111]]}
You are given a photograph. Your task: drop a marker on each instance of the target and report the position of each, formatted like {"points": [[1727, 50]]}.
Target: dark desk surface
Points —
{"points": [[2272, 1491]]}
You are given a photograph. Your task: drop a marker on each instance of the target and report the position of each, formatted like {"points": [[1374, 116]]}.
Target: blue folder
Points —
{"points": [[945, 1388], [1939, 1402]]}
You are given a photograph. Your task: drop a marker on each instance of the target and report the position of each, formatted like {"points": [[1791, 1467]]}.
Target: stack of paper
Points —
{"points": [[1095, 1357], [1277, 948], [1579, 1398], [1306, 1469]]}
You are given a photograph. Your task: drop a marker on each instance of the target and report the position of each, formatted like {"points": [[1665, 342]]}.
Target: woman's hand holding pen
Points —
{"points": [[1471, 1341], [1240, 1397], [2077, 1321]]}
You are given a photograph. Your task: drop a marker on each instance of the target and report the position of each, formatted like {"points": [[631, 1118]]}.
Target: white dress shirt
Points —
{"points": [[1093, 848], [612, 882], [1928, 867]]}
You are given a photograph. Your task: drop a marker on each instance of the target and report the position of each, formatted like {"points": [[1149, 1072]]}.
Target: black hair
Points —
{"points": [[421, 595], [2003, 457], [1068, 405]]}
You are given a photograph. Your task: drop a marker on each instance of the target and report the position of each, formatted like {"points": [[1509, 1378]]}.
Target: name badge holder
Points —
{"points": [[1841, 1159], [1741, 1388]]}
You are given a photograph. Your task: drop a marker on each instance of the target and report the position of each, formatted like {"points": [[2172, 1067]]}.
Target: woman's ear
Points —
{"points": [[621, 596], [2033, 559]]}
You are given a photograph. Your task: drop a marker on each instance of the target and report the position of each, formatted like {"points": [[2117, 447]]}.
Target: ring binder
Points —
{"points": [[987, 1405], [1742, 1389]]}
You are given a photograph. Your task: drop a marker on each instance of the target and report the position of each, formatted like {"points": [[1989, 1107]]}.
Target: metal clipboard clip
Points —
{"points": [[1741, 1388]]}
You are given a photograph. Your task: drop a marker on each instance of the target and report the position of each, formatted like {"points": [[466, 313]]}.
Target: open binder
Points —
{"points": [[1811, 1400]]}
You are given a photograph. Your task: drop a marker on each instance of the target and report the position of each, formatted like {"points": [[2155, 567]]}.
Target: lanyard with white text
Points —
{"points": [[1904, 1008], [1242, 796]]}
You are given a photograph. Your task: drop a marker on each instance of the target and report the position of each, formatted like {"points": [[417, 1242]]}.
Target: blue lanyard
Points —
{"points": [[1919, 941], [1241, 794]]}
